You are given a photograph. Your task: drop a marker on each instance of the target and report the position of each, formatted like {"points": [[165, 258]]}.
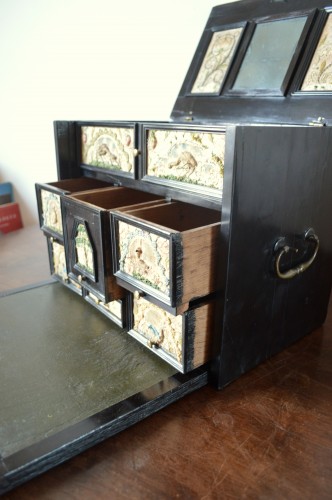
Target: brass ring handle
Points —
{"points": [[291, 273]]}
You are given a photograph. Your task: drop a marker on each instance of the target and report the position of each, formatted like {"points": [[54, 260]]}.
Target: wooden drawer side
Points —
{"points": [[200, 327], [200, 254]]}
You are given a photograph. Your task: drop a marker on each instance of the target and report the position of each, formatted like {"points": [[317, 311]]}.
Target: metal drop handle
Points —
{"points": [[283, 249]]}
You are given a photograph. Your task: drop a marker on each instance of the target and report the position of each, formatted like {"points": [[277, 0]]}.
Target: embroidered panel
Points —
{"points": [[192, 157], [84, 251], [111, 148], [59, 260], [216, 61], [319, 74], [145, 256], [160, 328], [51, 211]]}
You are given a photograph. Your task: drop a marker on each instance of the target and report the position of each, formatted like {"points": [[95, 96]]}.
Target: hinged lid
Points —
{"points": [[261, 61]]}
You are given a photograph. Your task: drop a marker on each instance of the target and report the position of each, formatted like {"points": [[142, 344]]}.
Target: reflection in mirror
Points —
{"points": [[216, 61], [269, 54], [319, 74]]}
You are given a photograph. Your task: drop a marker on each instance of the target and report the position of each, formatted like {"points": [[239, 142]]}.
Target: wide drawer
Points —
{"points": [[87, 237], [48, 200], [170, 252], [187, 158], [108, 147], [183, 340]]}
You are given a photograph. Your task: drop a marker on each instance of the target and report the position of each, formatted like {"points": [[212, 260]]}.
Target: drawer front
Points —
{"points": [[182, 340], [190, 159], [116, 310], [58, 265], [88, 261], [145, 258], [57, 259], [109, 148], [50, 212]]}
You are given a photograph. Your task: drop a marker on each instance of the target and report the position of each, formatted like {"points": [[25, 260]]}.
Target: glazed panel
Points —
{"points": [[269, 55], [145, 256], [216, 61], [111, 148], [319, 74], [51, 211], [192, 157]]}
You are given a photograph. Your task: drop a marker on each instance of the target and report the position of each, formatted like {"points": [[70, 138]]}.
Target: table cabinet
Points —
{"points": [[205, 241]]}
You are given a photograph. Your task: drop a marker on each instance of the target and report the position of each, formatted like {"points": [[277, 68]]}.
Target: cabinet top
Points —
{"points": [[261, 61]]}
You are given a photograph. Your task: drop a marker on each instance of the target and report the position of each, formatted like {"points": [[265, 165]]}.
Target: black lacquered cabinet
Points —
{"points": [[207, 247]]}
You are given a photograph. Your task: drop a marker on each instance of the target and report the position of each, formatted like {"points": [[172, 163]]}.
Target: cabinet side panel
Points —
{"points": [[282, 187]]}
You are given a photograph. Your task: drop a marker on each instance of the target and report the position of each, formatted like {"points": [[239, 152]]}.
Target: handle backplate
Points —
{"points": [[281, 249]]}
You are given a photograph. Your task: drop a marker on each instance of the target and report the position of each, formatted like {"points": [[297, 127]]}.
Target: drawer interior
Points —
{"points": [[79, 184], [113, 197], [177, 216]]}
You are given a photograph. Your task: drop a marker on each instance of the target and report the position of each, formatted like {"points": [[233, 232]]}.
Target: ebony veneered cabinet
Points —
{"points": [[197, 247]]}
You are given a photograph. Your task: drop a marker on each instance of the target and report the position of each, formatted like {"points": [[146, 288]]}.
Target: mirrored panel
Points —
{"points": [[319, 74], [216, 61], [269, 55]]}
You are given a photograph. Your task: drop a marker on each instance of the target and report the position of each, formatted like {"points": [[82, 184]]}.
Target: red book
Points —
{"points": [[10, 217]]}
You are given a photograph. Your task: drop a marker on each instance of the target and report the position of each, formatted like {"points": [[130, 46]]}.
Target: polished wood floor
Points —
{"points": [[266, 436]]}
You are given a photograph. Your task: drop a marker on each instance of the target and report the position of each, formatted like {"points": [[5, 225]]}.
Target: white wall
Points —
{"points": [[89, 60]]}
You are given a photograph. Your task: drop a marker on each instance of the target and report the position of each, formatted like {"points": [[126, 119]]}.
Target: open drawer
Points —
{"points": [[87, 237], [169, 252], [184, 340], [48, 200]]}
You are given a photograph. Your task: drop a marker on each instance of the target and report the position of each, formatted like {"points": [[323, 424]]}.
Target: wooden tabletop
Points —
{"points": [[268, 435]]}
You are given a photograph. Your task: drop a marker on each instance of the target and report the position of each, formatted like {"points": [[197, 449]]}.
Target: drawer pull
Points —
{"points": [[157, 338], [283, 249]]}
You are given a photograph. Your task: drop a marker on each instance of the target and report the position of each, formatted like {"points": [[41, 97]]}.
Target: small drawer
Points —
{"points": [[116, 310], [48, 200], [87, 237], [109, 147], [58, 266], [170, 252], [184, 341], [188, 158]]}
